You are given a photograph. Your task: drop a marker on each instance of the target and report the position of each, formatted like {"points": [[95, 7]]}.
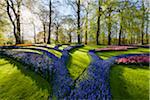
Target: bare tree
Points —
{"points": [[14, 16]]}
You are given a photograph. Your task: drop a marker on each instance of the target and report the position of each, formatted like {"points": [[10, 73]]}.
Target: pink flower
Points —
{"points": [[134, 59]]}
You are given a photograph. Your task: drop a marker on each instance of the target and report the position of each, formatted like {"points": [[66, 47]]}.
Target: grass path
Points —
{"points": [[79, 60], [17, 83]]}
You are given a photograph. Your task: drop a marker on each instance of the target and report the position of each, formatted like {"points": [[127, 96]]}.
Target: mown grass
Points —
{"points": [[17, 83], [56, 53], [108, 54], [129, 82], [79, 60]]}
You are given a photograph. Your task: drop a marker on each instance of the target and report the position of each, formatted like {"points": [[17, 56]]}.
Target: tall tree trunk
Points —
{"points": [[142, 26], [98, 23], [78, 21], [57, 28], [109, 29], [70, 38], [49, 31], [147, 25], [18, 24], [142, 32], [44, 29], [86, 27], [120, 33]]}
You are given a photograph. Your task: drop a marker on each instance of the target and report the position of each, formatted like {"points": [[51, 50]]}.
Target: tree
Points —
{"points": [[143, 22], [57, 24], [14, 16], [69, 25], [76, 6], [78, 21], [50, 22], [98, 22]]}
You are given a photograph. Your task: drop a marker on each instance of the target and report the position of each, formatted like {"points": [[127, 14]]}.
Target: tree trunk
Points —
{"points": [[78, 21], [18, 24], [109, 29], [49, 31], [142, 26], [86, 27], [147, 25], [17, 17], [98, 23], [120, 33], [44, 29], [70, 38], [142, 32], [57, 28]]}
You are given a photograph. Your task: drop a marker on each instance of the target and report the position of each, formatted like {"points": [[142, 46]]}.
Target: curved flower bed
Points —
{"points": [[112, 49], [40, 63], [116, 48], [134, 59], [50, 55], [62, 82], [95, 86], [128, 47]]}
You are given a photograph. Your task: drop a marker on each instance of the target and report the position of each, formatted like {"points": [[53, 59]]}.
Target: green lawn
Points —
{"points": [[129, 82], [79, 60], [56, 53], [108, 54], [17, 83]]}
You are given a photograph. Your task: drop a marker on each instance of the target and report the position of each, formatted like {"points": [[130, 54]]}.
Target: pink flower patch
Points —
{"points": [[134, 59]]}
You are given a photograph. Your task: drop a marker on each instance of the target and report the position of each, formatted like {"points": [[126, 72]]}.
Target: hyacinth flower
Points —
{"points": [[96, 85], [40, 63], [62, 82]]}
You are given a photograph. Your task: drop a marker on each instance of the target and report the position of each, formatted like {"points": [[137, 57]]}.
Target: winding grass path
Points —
{"points": [[17, 83], [79, 60]]}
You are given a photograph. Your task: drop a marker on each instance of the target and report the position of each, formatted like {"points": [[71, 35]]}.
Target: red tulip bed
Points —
{"points": [[137, 59], [116, 48]]}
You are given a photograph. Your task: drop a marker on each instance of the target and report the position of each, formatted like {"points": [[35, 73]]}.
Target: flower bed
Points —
{"points": [[128, 47], [24, 44], [116, 48], [136, 59], [112, 49], [95, 86], [37, 62]]}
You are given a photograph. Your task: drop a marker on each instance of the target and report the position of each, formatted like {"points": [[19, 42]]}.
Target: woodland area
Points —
{"points": [[109, 22]]}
